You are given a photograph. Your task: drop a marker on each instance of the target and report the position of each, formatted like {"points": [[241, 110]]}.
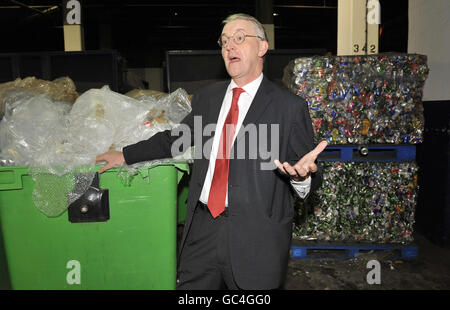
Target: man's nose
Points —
{"points": [[231, 45]]}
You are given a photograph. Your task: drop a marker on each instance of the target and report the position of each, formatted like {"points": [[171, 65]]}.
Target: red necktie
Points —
{"points": [[218, 191]]}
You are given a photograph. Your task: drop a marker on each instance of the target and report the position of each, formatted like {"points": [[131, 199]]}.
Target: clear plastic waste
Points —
{"points": [[60, 89], [31, 124], [60, 141], [137, 93]]}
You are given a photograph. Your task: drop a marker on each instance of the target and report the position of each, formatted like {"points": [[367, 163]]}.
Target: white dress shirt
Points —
{"points": [[244, 102]]}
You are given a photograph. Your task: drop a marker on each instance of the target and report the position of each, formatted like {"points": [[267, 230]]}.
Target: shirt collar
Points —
{"points": [[250, 88]]}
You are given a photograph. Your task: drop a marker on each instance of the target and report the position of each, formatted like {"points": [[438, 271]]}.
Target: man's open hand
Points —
{"points": [[305, 166]]}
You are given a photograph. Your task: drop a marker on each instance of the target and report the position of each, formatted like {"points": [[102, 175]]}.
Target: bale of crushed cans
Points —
{"points": [[360, 202], [362, 99]]}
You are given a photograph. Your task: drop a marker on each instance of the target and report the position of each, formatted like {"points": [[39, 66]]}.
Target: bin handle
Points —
{"points": [[10, 179], [182, 169]]}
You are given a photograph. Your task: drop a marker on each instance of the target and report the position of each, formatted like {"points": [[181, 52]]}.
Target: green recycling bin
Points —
{"points": [[133, 247], [5, 283]]}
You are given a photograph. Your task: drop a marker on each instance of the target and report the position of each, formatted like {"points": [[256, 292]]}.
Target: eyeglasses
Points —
{"points": [[238, 38]]}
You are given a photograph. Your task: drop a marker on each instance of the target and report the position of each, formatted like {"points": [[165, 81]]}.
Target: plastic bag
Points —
{"points": [[171, 108], [30, 125], [137, 93], [60, 142], [61, 89], [102, 119]]}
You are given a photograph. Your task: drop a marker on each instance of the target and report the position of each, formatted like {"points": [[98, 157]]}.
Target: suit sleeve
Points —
{"points": [[159, 145], [301, 138]]}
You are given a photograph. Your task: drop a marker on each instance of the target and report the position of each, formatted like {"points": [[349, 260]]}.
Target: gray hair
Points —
{"points": [[259, 29]]}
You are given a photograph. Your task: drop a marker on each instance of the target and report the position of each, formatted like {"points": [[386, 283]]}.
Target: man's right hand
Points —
{"points": [[112, 158]]}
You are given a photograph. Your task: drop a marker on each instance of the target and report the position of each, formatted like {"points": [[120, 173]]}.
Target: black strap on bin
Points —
{"points": [[93, 206]]}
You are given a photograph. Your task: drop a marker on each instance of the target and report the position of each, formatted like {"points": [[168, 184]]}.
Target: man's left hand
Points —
{"points": [[305, 166]]}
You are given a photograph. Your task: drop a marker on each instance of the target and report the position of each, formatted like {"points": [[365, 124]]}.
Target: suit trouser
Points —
{"points": [[205, 259]]}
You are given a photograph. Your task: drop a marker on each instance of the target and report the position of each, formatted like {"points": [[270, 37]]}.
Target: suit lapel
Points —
{"points": [[262, 98], [215, 103]]}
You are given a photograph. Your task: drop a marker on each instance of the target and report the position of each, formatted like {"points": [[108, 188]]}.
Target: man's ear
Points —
{"points": [[263, 47]]}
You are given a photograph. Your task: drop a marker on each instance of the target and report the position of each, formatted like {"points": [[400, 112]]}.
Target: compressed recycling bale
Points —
{"points": [[362, 99], [360, 202]]}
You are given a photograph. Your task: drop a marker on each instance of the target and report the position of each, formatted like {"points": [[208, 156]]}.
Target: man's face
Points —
{"points": [[244, 61]]}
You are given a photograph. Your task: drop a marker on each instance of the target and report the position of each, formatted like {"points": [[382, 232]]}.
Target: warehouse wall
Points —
{"points": [[153, 76], [429, 33]]}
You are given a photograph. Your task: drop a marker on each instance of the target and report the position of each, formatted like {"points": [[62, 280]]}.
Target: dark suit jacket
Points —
{"points": [[260, 202]]}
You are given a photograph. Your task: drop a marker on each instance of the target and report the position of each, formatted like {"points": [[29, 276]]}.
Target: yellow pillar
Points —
{"points": [[73, 38], [358, 22]]}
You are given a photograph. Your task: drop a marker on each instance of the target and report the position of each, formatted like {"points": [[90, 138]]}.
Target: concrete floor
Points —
{"points": [[430, 271]]}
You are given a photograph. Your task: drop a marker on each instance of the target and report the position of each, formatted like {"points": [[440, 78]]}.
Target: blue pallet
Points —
{"points": [[378, 153], [347, 251]]}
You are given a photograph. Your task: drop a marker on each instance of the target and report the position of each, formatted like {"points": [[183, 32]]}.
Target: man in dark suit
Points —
{"points": [[238, 225]]}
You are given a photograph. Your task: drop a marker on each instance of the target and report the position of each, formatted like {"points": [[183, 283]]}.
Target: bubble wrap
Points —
{"points": [[59, 141], [362, 99]]}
